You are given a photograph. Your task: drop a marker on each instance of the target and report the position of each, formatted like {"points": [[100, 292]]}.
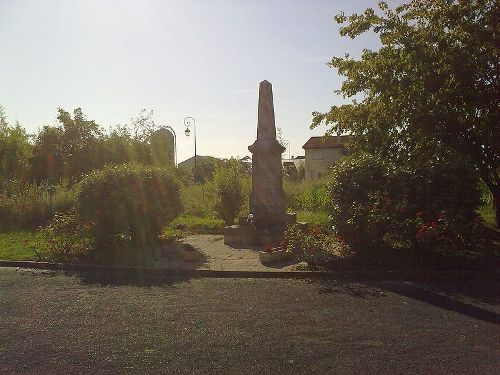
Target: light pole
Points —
{"points": [[175, 144], [188, 121], [288, 147]]}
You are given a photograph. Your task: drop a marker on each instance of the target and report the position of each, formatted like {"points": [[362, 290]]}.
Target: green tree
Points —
{"points": [[433, 84], [80, 146], [47, 161], [15, 150], [119, 146]]}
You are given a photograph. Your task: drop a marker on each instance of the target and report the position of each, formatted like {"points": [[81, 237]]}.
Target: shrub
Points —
{"points": [[229, 188], [65, 239], [128, 205], [374, 204], [314, 245]]}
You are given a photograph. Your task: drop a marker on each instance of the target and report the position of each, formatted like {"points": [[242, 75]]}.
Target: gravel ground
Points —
{"points": [[55, 323]]}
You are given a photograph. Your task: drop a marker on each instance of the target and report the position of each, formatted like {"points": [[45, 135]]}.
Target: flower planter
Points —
{"points": [[274, 256]]}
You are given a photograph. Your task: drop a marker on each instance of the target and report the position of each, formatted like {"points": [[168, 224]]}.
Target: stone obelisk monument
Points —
{"points": [[268, 218], [267, 199]]}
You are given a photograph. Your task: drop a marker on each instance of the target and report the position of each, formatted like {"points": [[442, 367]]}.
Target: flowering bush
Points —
{"points": [[65, 239], [377, 205], [315, 246]]}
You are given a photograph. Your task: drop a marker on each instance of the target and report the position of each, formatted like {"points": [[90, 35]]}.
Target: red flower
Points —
{"points": [[312, 250], [316, 231], [268, 249]]}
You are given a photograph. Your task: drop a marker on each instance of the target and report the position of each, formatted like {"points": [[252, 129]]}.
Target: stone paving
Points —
{"points": [[213, 254]]}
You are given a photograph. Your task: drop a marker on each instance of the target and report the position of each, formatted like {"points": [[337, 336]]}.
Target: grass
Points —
{"points": [[317, 218], [185, 225], [13, 245]]}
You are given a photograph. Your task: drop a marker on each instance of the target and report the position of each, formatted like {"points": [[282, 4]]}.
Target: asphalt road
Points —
{"points": [[55, 323]]}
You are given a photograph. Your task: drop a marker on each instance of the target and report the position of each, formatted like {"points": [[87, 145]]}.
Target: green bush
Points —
{"points": [[229, 188], [375, 204], [128, 205], [30, 205]]}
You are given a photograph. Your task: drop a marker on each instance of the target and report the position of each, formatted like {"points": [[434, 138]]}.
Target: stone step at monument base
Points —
{"points": [[269, 220], [245, 236]]}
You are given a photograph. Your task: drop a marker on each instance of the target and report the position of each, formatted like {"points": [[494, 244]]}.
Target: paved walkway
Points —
{"points": [[213, 254]]}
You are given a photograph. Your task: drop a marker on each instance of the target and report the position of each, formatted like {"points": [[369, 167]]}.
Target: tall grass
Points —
{"points": [[30, 205], [306, 195], [200, 200]]}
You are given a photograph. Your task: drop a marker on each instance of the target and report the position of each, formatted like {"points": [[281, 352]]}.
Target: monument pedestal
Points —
{"points": [[268, 219], [246, 234]]}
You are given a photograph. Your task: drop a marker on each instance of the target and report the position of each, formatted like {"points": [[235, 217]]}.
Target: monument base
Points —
{"points": [[246, 235]]}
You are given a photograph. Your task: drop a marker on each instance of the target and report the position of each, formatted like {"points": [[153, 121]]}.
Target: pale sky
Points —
{"points": [[199, 58]]}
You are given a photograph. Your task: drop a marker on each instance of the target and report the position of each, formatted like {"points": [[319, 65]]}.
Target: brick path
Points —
{"points": [[215, 255]]}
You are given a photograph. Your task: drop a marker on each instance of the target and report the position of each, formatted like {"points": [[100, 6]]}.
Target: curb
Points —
{"points": [[204, 273]]}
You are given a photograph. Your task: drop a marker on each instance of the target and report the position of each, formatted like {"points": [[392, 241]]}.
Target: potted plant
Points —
{"points": [[271, 254]]}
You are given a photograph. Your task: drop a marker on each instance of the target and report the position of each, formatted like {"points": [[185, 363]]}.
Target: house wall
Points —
{"points": [[318, 161]]}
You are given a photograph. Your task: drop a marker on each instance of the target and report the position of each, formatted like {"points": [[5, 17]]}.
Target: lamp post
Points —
{"points": [[188, 121], [175, 144], [288, 147]]}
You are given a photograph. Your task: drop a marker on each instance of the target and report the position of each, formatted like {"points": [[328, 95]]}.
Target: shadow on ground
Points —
{"points": [[460, 297]]}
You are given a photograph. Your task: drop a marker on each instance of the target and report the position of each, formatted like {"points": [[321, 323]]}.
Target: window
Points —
{"points": [[317, 155]]}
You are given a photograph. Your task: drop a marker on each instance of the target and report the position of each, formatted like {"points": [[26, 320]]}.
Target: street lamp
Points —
{"points": [[288, 147], [188, 121]]}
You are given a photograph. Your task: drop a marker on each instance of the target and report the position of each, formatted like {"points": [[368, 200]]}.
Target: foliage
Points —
{"points": [[31, 205], [15, 151], [77, 146], [66, 151], [64, 240], [119, 146], [433, 84], [128, 205], [229, 188], [47, 161], [205, 168], [143, 125], [315, 245], [80, 146], [375, 205]]}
